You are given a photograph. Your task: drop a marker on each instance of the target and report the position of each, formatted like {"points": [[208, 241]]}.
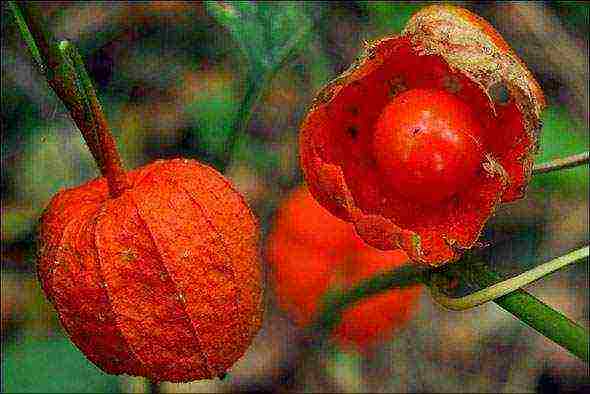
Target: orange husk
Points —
{"points": [[445, 48], [163, 281]]}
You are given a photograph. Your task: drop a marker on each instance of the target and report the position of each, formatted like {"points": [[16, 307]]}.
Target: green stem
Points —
{"points": [[538, 315], [110, 164], [336, 301], [251, 98], [547, 321], [26, 34], [38, 39], [60, 72], [257, 88], [507, 286], [562, 163]]}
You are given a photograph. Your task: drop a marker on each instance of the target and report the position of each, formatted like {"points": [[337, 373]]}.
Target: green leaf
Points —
{"points": [[262, 29], [29, 366]]}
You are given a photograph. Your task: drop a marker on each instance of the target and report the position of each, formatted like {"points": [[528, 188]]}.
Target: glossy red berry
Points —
{"points": [[426, 144], [161, 281]]}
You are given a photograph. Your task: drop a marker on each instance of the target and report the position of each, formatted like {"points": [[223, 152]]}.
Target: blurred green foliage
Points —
{"points": [[262, 29], [212, 112], [390, 18], [50, 159], [51, 365], [187, 59], [562, 135], [576, 12]]}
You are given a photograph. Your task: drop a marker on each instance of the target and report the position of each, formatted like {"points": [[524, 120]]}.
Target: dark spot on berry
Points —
{"points": [[416, 130], [396, 86], [352, 131]]}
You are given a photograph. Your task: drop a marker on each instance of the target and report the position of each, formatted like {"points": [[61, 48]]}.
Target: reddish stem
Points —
{"points": [[96, 134], [110, 163], [71, 83]]}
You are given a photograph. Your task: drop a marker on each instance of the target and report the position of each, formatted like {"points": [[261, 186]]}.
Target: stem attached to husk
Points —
{"points": [[110, 165], [64, 70], [507, 286], [524, 306]]}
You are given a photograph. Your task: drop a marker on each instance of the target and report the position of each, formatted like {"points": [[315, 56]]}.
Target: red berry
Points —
{"points": [[163, 280], [426, 144]]}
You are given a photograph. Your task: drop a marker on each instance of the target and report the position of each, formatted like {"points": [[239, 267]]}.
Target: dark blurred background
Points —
{"points": [[170, 79]]}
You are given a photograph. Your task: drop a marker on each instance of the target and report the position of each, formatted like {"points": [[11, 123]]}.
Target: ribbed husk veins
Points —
{"points": [[163, 281], [443, 48]]}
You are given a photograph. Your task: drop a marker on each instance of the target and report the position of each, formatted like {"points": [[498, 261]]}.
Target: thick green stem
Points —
{"points": [[110, 164], [538, 315], [547, 321]]}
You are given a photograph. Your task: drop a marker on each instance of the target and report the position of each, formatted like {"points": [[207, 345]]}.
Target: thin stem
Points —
{"points": [[257, 87], [251, 98], [521, 304], [26, 33], [45, 50], [66, 75], [58, 70], [562, 164], [505, 287]]}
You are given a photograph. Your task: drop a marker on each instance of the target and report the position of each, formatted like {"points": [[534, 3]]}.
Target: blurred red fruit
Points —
{"points": [[310, 251]]}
